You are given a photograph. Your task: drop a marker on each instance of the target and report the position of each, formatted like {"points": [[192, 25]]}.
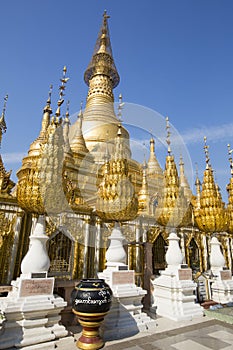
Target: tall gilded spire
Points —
{"points": [[102, 62], [44, 162], [153, 167], [6, 184], [116, 199], [2, 119], [198, 190], [230, 194], [168, 140], [173, 207], [62, 87], [183, 181], [36, 145], [143, 195], [100, 122], [77, 143], [66, 126], [210, 213]]}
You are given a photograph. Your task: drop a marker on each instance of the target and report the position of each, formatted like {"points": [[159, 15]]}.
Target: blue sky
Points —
{"points": [[173, 56]]}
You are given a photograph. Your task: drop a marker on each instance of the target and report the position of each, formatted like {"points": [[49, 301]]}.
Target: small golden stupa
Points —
{"points": [[173, 208], [209, 210], [117, 200]]}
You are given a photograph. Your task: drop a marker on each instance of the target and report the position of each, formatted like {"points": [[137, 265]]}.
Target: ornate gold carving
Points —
{"points": [[173, 208], [6, 184], [129, 233], [6, 244], [116, 199], [102, 61], [60, 254], [143, 195], [209, 211], [153, 233]]}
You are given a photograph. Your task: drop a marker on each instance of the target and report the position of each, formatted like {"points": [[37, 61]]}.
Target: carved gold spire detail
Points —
{"points": [[143, 195], [6, 184], [77, 143], [210, 214], [184, 182], [42, 168], [230, 194], [28, 188], [100, 123], [2, 119], [102, 64], [173, 208], [154, 168], [116, 199], [198, 191]]}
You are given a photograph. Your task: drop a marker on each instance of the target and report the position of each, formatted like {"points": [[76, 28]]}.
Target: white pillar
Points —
{"points": [[217, 260], [97, 246], [86, 245], [37, 259], [205, 253], [174, 255], [116, 254]]}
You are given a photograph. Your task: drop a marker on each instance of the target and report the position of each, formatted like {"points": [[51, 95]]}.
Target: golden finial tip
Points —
{"points": [[105, 15]]}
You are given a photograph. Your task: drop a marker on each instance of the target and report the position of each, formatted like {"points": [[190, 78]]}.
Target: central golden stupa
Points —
{"points": [[82, 178]]}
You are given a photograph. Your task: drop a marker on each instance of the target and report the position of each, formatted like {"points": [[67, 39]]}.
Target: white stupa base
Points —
{"points": [[125, 317], [222, 287], [174, 296], [32, 321]]}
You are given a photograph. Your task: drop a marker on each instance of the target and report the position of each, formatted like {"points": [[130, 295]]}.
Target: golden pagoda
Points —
{"points": [[173, 208], [100, 123], [39, 171], [82, 177], [117, 200], [209, 211]]}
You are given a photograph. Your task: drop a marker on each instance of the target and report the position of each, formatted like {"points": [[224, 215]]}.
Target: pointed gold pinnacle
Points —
{"points": [[168, 140]]}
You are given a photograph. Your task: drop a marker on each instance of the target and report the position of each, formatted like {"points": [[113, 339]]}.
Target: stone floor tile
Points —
{"points": [[224, 335], [190, 345]]}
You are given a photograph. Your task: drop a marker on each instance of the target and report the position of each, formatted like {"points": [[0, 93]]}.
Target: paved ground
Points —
{"points": [[202, 333]]}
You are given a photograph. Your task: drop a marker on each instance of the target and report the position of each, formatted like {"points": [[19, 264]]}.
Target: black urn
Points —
{"points": [[91, 296]]}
